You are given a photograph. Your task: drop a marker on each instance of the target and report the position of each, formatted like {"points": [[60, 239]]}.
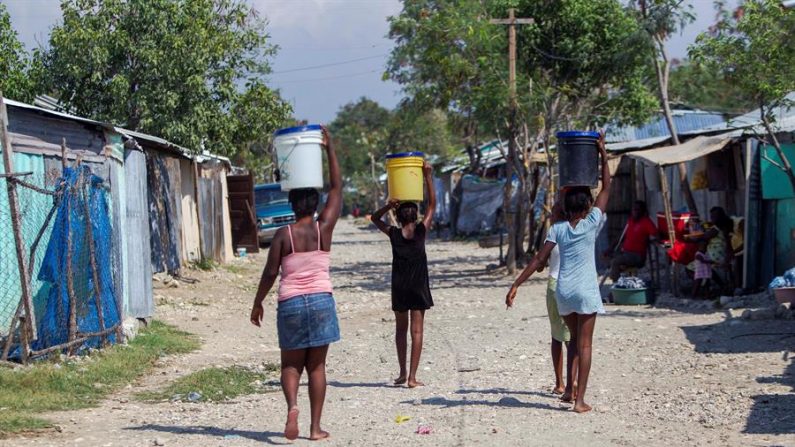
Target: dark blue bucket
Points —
{"points": [[578, 158]]}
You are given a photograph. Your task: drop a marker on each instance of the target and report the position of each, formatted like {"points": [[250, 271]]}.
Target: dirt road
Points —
{"points": [[660, 377]]}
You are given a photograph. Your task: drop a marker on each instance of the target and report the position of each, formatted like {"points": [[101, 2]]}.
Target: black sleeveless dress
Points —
{"points": [[410, 286]]}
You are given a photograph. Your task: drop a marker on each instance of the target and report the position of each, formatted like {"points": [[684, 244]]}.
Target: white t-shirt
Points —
{"points": [[554, 257]]}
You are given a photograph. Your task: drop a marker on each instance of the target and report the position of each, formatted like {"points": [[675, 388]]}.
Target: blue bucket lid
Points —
{"points": [[577, 134], [405, 154], [297, 129]]}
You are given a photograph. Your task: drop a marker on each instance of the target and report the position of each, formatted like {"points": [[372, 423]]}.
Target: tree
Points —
{"points": [[176, 69], [755, 51], [694, 85], [447, 57], [587, 67], [424, 131], [580, 64], [14, 66], [660, 19], [360, 129]]}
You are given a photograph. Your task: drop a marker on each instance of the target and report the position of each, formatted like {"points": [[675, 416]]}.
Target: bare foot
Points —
{"points": [[415, 383], [582, 408], [558, 390], [319, 436], [400, 380], [291, 427], [569, 396]]}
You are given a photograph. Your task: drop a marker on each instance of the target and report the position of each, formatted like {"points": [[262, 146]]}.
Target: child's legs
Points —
{"points": [[316, 367], [557, 364], [572, 356], [417, 323], [401, 331], [585, 328], [292, 367]]}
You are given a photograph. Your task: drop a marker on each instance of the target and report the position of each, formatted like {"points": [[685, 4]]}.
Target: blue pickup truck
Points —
{"points": [[273, 210]]}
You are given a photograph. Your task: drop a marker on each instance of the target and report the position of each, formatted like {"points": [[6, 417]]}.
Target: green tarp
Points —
{"points": [[775, 183]]}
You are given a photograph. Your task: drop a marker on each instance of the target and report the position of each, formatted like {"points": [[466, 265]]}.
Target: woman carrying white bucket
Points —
{"points": [[306, 316]]}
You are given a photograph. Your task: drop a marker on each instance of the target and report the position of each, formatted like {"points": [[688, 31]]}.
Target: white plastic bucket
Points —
{"points": [[299, 157]]}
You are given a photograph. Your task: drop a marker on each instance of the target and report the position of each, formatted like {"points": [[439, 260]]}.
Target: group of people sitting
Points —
{"points": [[716, 248]]}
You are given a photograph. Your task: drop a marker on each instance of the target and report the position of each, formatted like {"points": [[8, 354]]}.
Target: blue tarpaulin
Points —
{"points": [[79, 190]]}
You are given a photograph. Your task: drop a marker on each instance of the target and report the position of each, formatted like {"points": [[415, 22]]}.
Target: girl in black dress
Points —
{"points": [[411, 292]]}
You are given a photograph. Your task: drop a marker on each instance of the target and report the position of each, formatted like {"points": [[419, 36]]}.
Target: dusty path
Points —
{"points": [[660, 377]]}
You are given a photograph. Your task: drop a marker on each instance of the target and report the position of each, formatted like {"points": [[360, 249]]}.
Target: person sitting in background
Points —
{"points": [[640, 230], [703, 272], [717, 235]]}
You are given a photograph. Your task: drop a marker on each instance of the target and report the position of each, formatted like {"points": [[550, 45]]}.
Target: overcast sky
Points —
{"points": [[350, 33]]}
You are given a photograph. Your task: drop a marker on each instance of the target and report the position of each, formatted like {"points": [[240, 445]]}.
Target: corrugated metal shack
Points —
{"points": [[188, 210], [36, 136], [727, 167]]}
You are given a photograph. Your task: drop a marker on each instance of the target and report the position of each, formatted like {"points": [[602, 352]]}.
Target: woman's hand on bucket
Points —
{"points": [[427, 169], [256, 314], [326, 138], [601, 143]]}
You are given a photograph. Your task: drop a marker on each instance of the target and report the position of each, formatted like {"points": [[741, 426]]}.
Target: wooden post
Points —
{"points": [[92, 257], [511, 21], [669, 220], [16, 225], [70, 286]]}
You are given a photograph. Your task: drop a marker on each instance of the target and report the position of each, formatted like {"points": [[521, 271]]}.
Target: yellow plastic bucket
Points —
{"points": [[404, 176]]}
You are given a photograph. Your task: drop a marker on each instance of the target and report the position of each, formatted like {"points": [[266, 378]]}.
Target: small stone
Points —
{"points": [[159, 442], [194, 396]]}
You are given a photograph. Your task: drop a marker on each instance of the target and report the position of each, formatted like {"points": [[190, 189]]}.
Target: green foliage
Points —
{"points": [[417, 130], [591, 54], [580, 63], [15, 83], [205, 264], [359, 129], [189, 71], [697, 86], [214, 384], [753, 50], [83, 382], [448, 56]]}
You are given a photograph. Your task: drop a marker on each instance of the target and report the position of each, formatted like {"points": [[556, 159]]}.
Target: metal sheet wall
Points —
{"points": [[191, 250], [138, 302]]}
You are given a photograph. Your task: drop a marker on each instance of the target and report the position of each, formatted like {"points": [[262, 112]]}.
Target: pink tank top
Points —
{"points": [[306, 272]]}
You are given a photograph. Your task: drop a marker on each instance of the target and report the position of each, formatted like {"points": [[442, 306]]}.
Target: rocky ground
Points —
{"points": [[685, 375]]}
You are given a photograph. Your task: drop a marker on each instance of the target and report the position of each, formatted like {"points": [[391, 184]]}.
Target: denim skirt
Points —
{"points": [[307, 321]]}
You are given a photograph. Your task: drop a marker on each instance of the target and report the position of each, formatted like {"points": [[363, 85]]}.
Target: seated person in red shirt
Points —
{"points": [[640, 230]]}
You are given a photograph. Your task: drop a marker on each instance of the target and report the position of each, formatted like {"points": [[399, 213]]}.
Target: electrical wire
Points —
{"points": [[350, 75], [333, 64]]}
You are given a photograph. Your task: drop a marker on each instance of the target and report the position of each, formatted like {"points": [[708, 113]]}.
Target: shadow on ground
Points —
{"points": [[772, 414], [216, 432], [505, 402]]}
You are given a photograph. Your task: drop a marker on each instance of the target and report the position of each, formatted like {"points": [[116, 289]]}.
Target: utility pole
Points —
{"points": [[511, 21]]}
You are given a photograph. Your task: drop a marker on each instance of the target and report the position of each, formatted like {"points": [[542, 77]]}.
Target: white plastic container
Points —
{"points": [[299, 157]]}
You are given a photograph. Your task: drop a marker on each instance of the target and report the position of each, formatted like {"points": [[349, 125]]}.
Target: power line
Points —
{"points": [[333, 64], [349, 75]]}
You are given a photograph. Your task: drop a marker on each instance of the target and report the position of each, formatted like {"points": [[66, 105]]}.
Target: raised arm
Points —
{"points": [[427, 171], [269, 274], [378, 217], [604, 193], [331, 212], [535, 264]]}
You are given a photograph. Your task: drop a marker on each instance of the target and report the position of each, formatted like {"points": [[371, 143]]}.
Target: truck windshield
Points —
{"points": [[270, 196]]}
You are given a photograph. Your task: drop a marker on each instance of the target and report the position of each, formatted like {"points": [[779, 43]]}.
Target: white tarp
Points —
{"points": [[690, 150]]}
